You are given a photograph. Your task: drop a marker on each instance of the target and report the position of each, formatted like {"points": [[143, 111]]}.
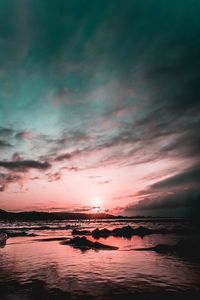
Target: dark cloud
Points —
{"points": [[83, 209], [6, 179], [62, 157], [24, 165], [16, 156], [187, 177], [71, 168], [184, 202], [23, 135], [55, 176], [6, 132], [149, 139], [35, 178], [5, 137], [178, 194], [131, 196], [4, 144]]}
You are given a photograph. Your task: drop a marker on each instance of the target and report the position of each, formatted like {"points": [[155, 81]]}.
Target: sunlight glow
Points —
{"points": [[97, 202]]}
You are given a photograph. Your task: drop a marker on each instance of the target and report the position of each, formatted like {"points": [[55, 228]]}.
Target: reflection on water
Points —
{"points": [[97, 273]]}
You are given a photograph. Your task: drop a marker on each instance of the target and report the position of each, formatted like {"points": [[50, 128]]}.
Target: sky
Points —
{"points": [[100, 106]]}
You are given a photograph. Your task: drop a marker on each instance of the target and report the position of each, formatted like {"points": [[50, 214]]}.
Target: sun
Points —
{"points": [[97, 202]]}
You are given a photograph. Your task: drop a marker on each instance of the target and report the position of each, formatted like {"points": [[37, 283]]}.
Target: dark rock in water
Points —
{"points": [[19, 234], [186, 248], [81, 232], [53, 239], [162, 248], [3, 239], [101, 233], [126, 231], [142, 231], [84, 244]]}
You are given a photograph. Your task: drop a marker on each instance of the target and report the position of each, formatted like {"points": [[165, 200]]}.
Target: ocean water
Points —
{"points": [[31, 267]]}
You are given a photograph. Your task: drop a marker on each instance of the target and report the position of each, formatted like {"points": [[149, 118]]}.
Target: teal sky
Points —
{"points": [[99, 105]]}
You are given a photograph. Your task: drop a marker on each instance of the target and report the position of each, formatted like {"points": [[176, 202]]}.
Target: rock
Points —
{"points": [[19, 234], [53, 239], [188, 247], [126, 231], [101, 233], [142, 231], [184, 248], [84, 244], [3, 239], [162, 248]]}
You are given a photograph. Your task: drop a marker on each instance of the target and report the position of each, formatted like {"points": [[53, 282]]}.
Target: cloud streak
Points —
{"points": [[24, 165]]}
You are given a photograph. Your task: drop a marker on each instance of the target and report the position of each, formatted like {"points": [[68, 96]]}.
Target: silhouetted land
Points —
{"points": [[34, 216], [45, 216]]}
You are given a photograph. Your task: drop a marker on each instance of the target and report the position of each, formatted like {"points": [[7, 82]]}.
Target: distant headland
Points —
{"points": [[41, 215]]}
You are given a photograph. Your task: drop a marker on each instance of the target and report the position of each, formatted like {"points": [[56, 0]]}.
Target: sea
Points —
{"points": [[35, 264]]}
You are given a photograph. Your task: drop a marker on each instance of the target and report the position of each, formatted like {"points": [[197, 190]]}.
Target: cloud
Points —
{"points": [[5, 138], [104, 182], [6, 132], [62, 157], [6, 179], [187, 177], [24, 165], [178, 194], [24, 135], [86, 208], [123, 197], [55, 176], [4, 144], [184, 202], [94, 176]]}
